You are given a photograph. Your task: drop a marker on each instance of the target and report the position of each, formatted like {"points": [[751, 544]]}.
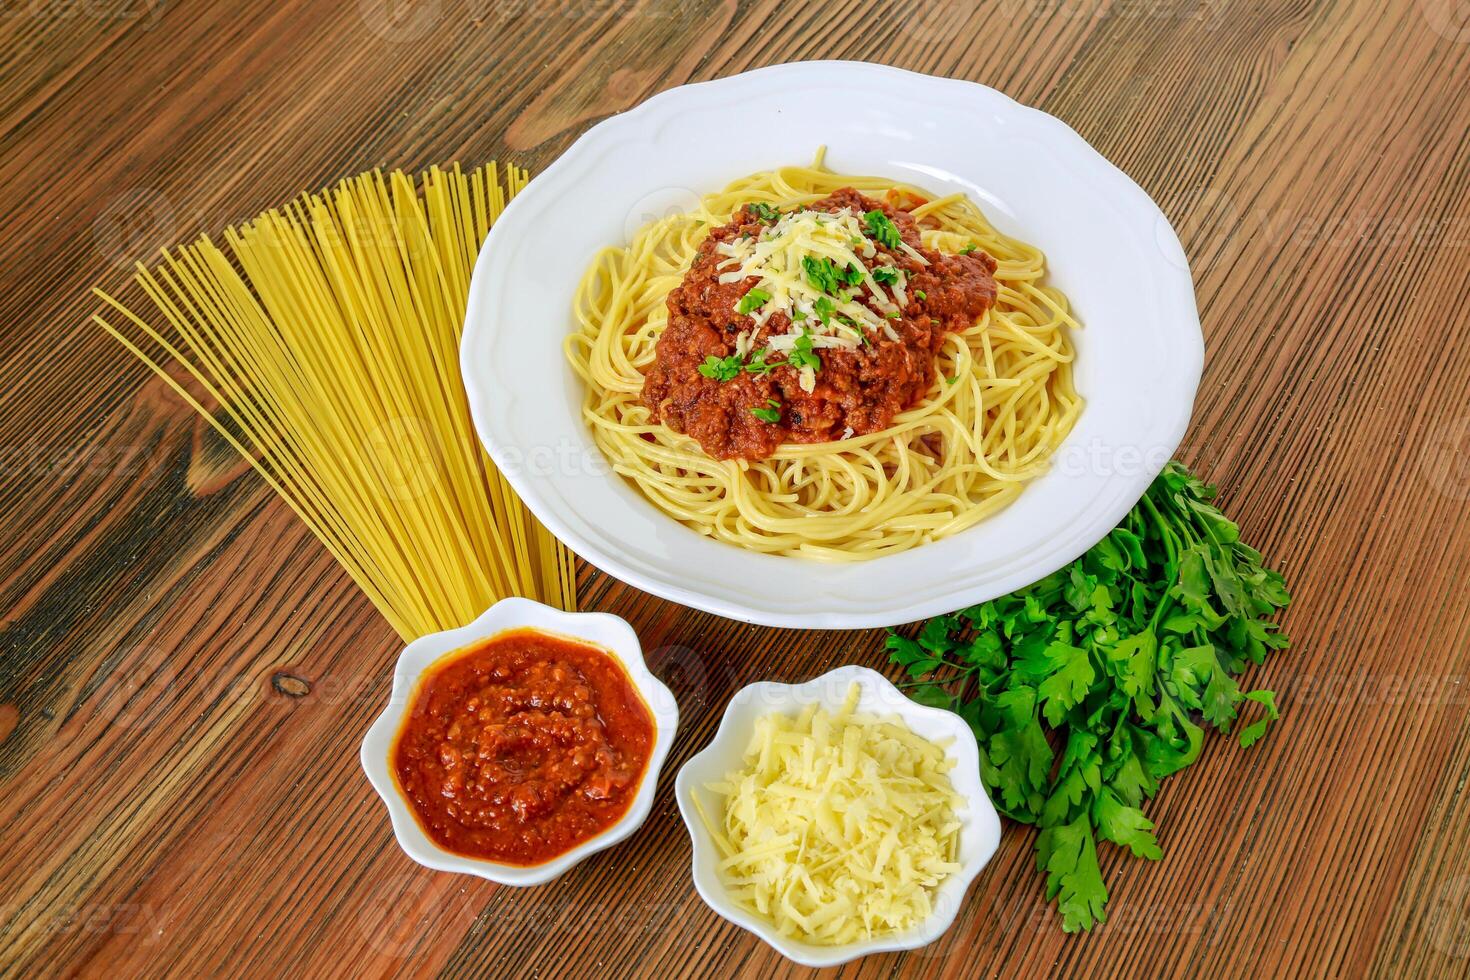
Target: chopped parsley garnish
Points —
{"points": [[752, 301], [758, 365], [920, 295], [882, 229], [852, 275], [764, 211], [821, 273], [824, 308], [771, 414], [802, 355], [968, 249], [721, 368], [892, 314], [952, 381], [798, 315], [885, 274]]}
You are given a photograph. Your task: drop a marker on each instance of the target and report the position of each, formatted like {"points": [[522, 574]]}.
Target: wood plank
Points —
{"points": [[186, 674]]}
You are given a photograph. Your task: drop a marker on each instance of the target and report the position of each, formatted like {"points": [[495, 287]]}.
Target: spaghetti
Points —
{"points": [[330, 346], [1000, 404]]}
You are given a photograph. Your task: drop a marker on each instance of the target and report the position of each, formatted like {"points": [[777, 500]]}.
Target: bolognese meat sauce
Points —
{"points": [[522, 747], [742, 366]]}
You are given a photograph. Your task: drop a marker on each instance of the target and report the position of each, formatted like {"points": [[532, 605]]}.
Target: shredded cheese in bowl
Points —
{"points": [[839, 827]]}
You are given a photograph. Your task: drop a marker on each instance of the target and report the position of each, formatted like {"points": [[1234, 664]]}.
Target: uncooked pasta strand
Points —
{"points": [[328, 340]]}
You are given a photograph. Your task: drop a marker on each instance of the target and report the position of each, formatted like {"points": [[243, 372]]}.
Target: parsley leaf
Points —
{"points": [[820, 272], [1251, 734], [1125, 825], [1120, 659], [882, 229], [1064, 681], [721, 368], [824, 308], [885, 275], [764, 211], [968, 249], [1068, 855], [771, 414], [1017, 754], [802, 355], [758, 364], [752, 301]]}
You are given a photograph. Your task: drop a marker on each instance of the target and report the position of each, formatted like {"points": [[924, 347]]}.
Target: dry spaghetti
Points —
{"points": [[330, 348], [1001, 403]]}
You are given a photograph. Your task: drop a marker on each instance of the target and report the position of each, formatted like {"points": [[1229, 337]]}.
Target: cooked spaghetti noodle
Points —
{"points": [[330, 348], [1001, 402]]}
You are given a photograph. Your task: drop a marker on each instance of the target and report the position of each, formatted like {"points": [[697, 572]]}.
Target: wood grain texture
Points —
{"points": [[186, 674]]}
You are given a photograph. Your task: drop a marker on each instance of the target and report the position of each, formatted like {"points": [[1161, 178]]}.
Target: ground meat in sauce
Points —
{"points": [[523, 747], [861, 389]]}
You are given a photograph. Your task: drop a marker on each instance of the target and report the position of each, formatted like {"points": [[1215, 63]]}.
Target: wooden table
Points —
{"points": [[186, 675]]}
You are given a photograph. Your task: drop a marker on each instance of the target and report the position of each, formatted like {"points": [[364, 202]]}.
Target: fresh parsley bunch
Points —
{"points": [[1118, 661]]}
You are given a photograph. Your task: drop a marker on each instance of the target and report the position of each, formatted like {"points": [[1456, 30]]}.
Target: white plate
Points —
{"points": [[1108, 247], [609, 632], [979, 825]]}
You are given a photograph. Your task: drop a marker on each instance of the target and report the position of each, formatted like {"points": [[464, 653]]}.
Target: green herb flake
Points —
{"points": [[721, 368], [882, 229], [920, 295], [802, 355], [771, 414], [752, 301], [1118, 661], [764, 211], [823, 308], [885, 275], [820, 272], [968, 249], [759, 365]]}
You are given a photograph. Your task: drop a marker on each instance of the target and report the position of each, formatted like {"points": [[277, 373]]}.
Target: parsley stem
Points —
{"points": [[963, 673], [966, 668], [1158, 616]]}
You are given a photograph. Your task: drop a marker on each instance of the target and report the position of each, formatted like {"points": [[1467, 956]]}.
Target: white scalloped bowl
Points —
{"points": [[605, 630], [1108, 247], [979, 824]]}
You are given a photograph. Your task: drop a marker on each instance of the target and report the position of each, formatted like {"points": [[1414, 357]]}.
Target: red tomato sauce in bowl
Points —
{"points": [[522, 746]]}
